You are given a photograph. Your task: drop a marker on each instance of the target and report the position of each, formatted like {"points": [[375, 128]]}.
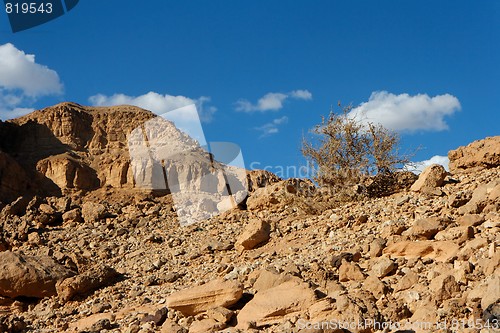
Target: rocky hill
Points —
{"points": [[83, 249]]}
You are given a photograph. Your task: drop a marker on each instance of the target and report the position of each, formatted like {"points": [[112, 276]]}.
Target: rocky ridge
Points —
{"points": [[295, 259]]}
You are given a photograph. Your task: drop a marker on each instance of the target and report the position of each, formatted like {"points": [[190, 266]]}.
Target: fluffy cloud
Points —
{"points": [[157, 103], [23, 81], [19, 70], [407, 113], [301, 94], [271, 101], [272, 127], [418, 167]]}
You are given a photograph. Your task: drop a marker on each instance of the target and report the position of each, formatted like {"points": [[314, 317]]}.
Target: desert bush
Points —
{"points": [[346, 151]]}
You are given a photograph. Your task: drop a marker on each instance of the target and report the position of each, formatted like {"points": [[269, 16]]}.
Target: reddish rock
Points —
{"points": [[430, 179], [272, 305], [29, 276], [217, 293], [478, 154], [256, 232]]}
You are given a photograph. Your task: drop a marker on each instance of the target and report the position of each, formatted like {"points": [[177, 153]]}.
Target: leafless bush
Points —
{"points": [[347, 151]]}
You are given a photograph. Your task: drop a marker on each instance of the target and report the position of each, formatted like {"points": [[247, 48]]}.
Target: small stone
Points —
{"points": [[375, 286], [376, 247], [470, 220], [220, 314], [444, 287], [383, 267], [350, 271]]}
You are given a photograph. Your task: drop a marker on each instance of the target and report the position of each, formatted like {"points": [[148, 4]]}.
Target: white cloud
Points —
{"points": [[272, 127], [301, 94], [407, 113], [157, 103], [23, 81], [19, 70], [271, 101], [418, 167]]}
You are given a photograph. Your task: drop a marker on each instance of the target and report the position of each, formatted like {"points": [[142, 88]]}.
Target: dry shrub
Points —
{"points": [[346, 152]]}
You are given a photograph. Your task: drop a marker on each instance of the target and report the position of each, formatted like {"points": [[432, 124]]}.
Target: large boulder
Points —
{"points": [[29, 276], [272, 305], [430, 179], [86, 282], [199, 299], [479, 154]]}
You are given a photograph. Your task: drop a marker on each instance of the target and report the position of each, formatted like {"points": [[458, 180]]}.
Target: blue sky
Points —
{"points": [[266, 71]]}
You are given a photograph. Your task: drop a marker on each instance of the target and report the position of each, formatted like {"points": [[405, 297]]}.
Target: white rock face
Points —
{"points": [[164, 158]]}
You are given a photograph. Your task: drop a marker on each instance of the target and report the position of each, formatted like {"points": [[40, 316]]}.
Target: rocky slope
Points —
{"points": [[115, 259]]}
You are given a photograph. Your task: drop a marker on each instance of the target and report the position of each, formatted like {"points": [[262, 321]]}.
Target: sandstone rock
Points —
{"points": [[495, 194], [460, 234], [350, 271], [478, 154], [424, 228], [391, 228], [92, 212], [437, 250], [272, 305], [383, 267], [157, 318], [220, 314], [430, 179], [135, 230], [169, 326], [492, 291], [217, 293], [406, 282], [29, 276], [267, 280], [470, 247], [376, 247], [67, 172], [480, 197], [470, 220], [444, 287], [424, 314], [375, 286], [256, 232], [206, 325], [492, 264], [86, 323], [86, 282], [461, 269], [74, 215]]}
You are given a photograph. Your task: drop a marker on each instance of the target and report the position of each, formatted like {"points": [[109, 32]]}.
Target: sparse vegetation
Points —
{"points": [[347, 151]]}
